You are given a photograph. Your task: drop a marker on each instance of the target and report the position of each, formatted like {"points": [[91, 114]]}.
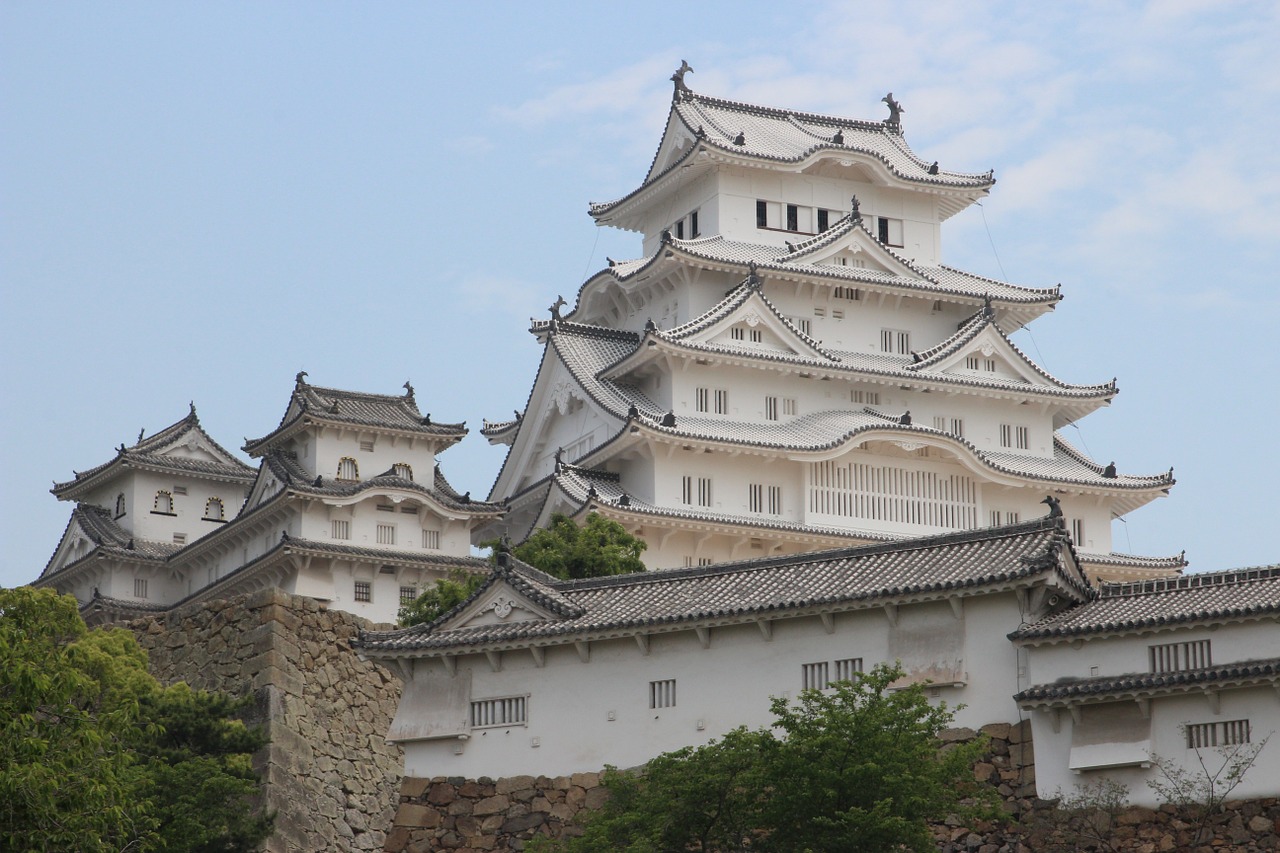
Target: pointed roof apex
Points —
{"points": [[191, 414], [300, 378]]}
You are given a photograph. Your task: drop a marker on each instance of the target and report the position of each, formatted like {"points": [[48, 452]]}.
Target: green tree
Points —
{"points": [[856, 767], [446, 594], [565, 550], [95, 755]]}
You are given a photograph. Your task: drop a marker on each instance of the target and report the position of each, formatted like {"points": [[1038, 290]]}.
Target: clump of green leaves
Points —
{"points": [[856, 767], [446, 594], [96, 756], [598, 548]]}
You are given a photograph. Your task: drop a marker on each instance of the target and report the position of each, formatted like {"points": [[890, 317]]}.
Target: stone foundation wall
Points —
{"points": [[330, 775], [468, 816]]}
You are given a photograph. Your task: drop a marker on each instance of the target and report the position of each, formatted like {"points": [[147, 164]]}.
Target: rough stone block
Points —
{"points": [[996, 730], [413, 816], [585, 780], [413, 786], [492, 805], [514, 783]]}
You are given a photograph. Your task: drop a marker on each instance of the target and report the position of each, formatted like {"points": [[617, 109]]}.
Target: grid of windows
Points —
{"points": [[847, 668], [955, 426], [505, 711], [1176, 657], [764, 499], [895, 341], [774, 405], [363, 591], [1226, 733], [386, 534], [851, 293], [1015, 436], [340, 528], [871, 398], [1009, 517], [662, 694]]}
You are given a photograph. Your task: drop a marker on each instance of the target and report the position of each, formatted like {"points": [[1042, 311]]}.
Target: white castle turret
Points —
{"points": [[790, 366]]}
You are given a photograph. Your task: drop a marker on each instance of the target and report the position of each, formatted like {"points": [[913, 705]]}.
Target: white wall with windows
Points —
{"points": [[679, 693]]}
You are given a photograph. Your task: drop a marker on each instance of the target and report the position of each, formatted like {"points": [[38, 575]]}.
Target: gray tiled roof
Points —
{"points": [[786, 136], [1211, 596], [1175, 562], [1147, 683], [148, 453], [109, 537], [926, 278], [931, 567], [311, 403]]}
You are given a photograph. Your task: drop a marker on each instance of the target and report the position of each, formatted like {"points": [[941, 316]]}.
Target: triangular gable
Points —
{"points": [[853, 244], [988, 354], [497, 603], [676, 142], [266, 486], [756, 314], [76, 543]]}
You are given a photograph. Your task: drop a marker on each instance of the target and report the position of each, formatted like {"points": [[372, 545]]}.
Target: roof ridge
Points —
{"points": [[1199, 580]]}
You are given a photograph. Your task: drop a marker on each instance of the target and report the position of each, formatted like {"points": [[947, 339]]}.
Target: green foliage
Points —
{"points": [[856, 767], [598, 548], [447, 594], [95, 755]]}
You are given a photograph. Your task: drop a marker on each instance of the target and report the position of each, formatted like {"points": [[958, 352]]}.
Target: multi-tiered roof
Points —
{"points": [[747, 310]]}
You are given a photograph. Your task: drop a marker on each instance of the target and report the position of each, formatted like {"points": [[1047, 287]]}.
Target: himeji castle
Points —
{"points": [[790, 365]]}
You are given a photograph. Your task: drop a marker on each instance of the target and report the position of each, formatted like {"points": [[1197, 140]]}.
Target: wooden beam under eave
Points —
{"points": [[450, 664], [1144, 706], [828, 622], [957, 606], [704, 637], [1215, 700], [539, 656], [642, 640], [495, 660], [891, 611], [584, 650], [766, 629]]}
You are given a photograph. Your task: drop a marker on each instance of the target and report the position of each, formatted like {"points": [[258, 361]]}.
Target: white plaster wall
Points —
{"points": [[189, 509], [326, 450], [1168, 742], [718, 688]]}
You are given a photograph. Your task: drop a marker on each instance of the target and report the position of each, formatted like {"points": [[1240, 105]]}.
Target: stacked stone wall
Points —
{"points": [[330, 775], [470, 816]]}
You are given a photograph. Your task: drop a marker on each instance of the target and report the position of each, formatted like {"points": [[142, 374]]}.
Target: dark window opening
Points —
{"points": [[680, 230], [693, 225], [823, 222], [793, 218], [762, 214], [882, 229]]}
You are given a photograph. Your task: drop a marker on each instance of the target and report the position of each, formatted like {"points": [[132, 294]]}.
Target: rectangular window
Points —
{"points": [[1226, 733], [704, 561], [895, 341], [386, 534], [139, 587], [431, 540], [837, 314], [819, 312], [409, 510], [366, 446], [1177, 657], [755, 498], [1014, 436], [889, 231], [699, 491], [762, 214], [971, 362], [1077, 531], [386, 508], [774, 494], [701, 399], [722, 402], [680, 230], [871, 398], [694, 233], [662, 694], [340, 529], [179, 539], [803, 324], [793, 218], [771, 408], [507, 711], [824, 220], [179, 490], [1007, 517], [363, 591], [813, 676], [757, 336], [704, 491], [408, 594], [737, 333], [955, 426], [788, 406], [848, 668], [851, 293], [989, 365]]}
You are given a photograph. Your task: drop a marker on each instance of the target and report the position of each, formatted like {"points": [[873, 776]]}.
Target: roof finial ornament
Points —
{"points": [[838, 139], [559, 458], [753, 281], [791, 247], [681, 91], [669, 419], [555, 309], [855, 212], [1110, 471], [519, 416], [895, 112], [300, 378], [612, 262], [591, 492], [665, 236], [740, 139], [426, 419], [121, 449], [141, 433], [1055, 507], [905, 418], [650, 326], [933, 168], [624, 500], [408, 390], [632, 412], [988, 310]]}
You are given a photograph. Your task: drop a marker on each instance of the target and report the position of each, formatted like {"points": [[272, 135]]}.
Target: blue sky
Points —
{"points": [[199, 200]]}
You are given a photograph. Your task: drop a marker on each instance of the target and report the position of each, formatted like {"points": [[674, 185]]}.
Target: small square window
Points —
{"points": [[662, 694], [340, 529], [386, 534], [363, 591], [139, 587], [408, 594], [431, 540]]}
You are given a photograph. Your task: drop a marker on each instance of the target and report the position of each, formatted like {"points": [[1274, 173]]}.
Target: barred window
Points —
{"points": [[363, 591], [386, 534], [163, 504], [1177, 657], [848, 668], [408, 594], [505, 711], [120, 505], [403, 470], [431, 540], [813, 676], [340, 529], [213, 510], [662, 694], [139, 587], [1226, 733], [348, 469]]}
